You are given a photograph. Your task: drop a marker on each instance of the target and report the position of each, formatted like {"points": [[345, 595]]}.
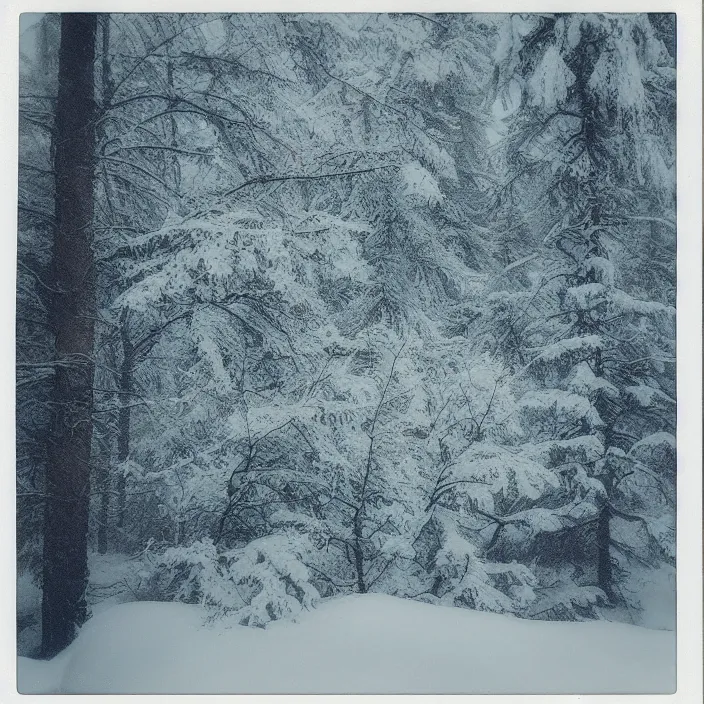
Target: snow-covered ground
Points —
{"points": [[368, 643]]}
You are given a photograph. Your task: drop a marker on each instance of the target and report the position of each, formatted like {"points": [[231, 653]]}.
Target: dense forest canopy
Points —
{"points": [[379, 303]]}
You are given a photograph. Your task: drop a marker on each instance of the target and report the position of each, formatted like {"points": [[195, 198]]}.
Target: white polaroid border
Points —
{"points": [[689, 310]]}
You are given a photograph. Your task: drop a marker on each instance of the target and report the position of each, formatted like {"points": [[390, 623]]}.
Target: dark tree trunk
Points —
{"points": [[124, 416], [603, 541], [358, 552], [104, 515], [103, 476], [605, 575], [65, 561], [359, 569]]}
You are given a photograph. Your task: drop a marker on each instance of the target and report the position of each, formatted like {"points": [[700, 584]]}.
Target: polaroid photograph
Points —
{"points": [[348, 346]]}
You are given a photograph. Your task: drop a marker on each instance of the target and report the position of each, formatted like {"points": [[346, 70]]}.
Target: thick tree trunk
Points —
{"points": [[65, 563]]}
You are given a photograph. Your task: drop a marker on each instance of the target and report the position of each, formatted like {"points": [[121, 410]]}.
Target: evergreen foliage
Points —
{"points": [[385, 303]]}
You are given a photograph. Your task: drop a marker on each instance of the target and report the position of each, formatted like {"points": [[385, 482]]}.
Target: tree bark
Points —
{"points": [[124, 416], [603, 527], [359, 568], [65, 558], [603, 540], [103, 476], [358, 552]]}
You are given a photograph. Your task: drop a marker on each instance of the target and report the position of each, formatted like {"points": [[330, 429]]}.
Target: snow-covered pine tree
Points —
{"points": [[590, 149]]}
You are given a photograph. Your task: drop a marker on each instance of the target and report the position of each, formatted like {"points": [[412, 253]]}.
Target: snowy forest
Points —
{"points": [[313, 305]]}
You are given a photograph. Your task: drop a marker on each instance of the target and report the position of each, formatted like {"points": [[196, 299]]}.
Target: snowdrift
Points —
{"points": [[368, 643]]}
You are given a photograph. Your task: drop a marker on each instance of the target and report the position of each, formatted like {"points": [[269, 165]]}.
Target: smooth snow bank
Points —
{"points": [[40, 676], [357, 644]]}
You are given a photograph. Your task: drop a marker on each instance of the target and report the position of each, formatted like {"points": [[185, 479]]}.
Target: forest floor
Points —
{"points": [[368, 643]]}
